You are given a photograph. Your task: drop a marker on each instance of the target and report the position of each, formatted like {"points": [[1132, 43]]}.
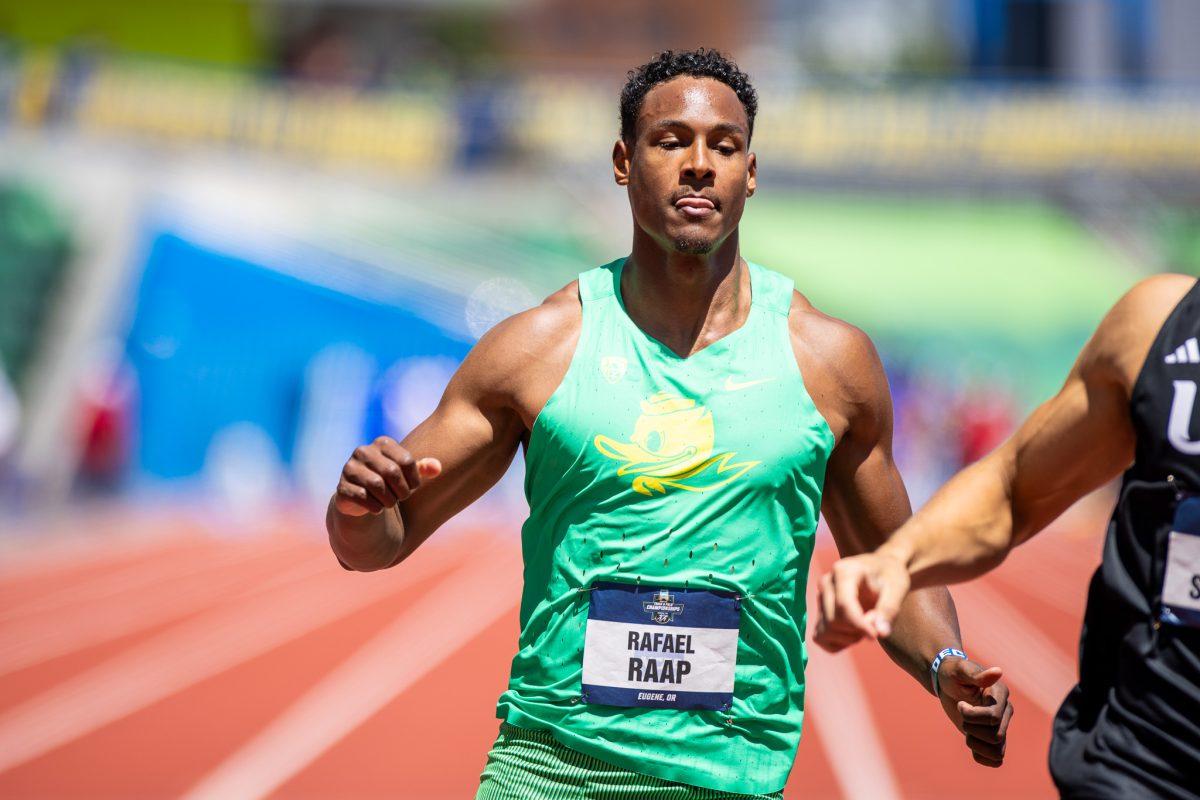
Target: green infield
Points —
{"points": [[975, 287], [1019, 271]]}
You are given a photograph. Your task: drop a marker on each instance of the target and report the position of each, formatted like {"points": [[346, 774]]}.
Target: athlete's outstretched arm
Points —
{"points": [[1075, 442], [865, 501], [377, 517]]}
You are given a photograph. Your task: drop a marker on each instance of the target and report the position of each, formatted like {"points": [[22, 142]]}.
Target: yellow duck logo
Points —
{"points": [[672, 446]]}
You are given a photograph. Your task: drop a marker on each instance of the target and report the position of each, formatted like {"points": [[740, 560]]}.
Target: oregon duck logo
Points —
{"points": [[672, 446]]}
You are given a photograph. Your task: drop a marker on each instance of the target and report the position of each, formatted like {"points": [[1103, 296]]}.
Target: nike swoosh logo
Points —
{"points": [[732, 386]]}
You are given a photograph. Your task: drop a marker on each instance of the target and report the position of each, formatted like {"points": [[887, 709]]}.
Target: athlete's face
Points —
{"points": [[689, 169]]}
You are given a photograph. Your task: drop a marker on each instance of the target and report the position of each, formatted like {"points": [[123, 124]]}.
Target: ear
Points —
{"points": [[621, 157], [751, 174]]}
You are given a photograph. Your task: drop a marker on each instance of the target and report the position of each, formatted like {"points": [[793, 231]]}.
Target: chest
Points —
{"points": [[633, 427]]}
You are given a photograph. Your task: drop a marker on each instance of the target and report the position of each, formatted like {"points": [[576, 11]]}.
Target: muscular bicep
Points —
{"points": [[1083, 437], [864, 498], [1072, 444], [484, 413], [475, 441]]}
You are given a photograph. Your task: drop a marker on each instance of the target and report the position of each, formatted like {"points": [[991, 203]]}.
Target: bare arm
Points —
{"points": [[376, 517], [1075, 442], [865, 501]]}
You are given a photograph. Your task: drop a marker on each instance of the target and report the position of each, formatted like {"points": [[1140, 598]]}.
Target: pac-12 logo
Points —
{"points": [[663, 608], [613, 368]]}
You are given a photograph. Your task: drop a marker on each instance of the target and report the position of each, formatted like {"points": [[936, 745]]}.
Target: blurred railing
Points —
{"points": [[179, 105], [920, 133]]}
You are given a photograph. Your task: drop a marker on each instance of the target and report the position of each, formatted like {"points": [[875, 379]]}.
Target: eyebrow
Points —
{"points": [[728, 127]]}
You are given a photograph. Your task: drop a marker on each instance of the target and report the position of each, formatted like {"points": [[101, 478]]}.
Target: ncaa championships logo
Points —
{"points": [[663, 608]]}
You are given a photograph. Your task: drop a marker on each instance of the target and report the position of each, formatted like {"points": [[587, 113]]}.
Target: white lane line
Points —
{"points": [[93, 540], [836, 699], [995, 633], [849, 734], [189, 653], [1063, 550], [1042, 582], [117, 581], [431, 630], [22, 646], [1055, 568]]}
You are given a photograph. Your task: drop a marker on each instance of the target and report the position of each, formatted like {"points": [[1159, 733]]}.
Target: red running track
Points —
{"points": [[157, 659]]}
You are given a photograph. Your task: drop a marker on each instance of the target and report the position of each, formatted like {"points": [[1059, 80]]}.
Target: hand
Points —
{"points": [[859, 598], [379, 475], [976, 701]]}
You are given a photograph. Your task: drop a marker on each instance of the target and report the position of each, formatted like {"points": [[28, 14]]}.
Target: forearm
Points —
{"points": [[368, 542], [927, 623], [965, 530]]}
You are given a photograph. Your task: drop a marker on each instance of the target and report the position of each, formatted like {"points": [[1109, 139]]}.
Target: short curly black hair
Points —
{"points": [[700, 63]]}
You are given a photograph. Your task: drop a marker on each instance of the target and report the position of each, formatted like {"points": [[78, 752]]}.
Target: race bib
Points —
{"points": [[660, 647], [1181, 579]]}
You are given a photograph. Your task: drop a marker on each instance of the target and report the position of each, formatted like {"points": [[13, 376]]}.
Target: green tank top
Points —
{"points": [[664, 492]]}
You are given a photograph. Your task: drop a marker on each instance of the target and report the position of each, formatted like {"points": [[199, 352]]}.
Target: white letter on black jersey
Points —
{"points": [[1179, 426]]}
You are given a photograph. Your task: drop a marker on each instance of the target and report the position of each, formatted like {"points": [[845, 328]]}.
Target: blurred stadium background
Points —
{"points": [[239, 238]]}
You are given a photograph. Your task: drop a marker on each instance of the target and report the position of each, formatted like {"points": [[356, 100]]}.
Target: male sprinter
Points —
{"points": [[681, 411], [1131, 727]]}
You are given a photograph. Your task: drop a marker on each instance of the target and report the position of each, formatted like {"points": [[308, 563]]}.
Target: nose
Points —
{"points": [[698, 165]]}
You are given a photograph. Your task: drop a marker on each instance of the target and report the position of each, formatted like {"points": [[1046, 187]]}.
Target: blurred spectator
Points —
{"points": [[986, 416], [325, 54], [106, 410]]}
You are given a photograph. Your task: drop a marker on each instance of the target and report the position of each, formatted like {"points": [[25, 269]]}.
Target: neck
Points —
{"points": [[685, 301]]}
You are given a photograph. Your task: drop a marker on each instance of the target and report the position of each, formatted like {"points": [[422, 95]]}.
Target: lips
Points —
{"points": [[696, 207]]}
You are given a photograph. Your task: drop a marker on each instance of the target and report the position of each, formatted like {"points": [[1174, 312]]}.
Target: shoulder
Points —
{"points": [[828, 339], [519, 348], [1149, 302], [540, 325], [839, 363], [1123, 339]]}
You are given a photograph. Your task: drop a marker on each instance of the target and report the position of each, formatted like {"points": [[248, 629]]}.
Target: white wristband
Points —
{"points": [[949, 652]]}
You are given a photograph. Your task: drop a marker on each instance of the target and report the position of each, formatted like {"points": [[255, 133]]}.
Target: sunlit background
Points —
{"points": [[239, 238]]}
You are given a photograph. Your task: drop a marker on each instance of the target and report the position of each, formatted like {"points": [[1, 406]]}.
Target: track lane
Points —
{"points": [[429, 741]]}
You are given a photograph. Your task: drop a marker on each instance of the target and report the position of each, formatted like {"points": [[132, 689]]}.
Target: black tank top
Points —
{"points": [[1131, 727]]}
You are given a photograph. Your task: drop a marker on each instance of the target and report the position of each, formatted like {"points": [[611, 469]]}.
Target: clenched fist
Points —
{"points": [[379, 475]]}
